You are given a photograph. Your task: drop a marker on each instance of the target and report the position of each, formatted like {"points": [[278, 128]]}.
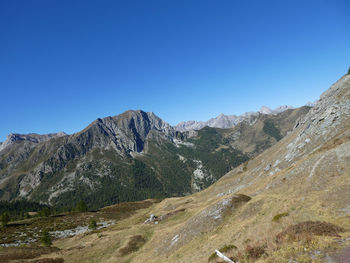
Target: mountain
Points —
{"points": [[32, 137], [288, 204], [131, 156], [228, 121], [266, 110]]}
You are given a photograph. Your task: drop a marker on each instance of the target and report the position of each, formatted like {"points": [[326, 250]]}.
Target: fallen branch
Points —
{"points": [[220, 255]]}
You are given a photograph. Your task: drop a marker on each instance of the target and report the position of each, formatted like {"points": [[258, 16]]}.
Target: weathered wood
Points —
{"points": [[223, 256]]}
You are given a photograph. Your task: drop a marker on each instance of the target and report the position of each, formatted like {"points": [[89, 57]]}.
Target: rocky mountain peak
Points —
{"points": [[279, 109]]}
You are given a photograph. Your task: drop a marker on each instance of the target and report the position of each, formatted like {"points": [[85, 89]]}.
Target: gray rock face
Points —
{"points": [[325, 120], [124, 133]]}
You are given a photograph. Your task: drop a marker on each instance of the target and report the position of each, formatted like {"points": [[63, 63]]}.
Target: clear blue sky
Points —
{"points": [[64, 63]]}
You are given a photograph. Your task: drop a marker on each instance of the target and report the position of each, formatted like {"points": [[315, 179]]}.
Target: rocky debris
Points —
{"points": [[267, 168], [199, 176], [156, 219], [151, 219], [79, 230], [19, 243], [57, 234]]}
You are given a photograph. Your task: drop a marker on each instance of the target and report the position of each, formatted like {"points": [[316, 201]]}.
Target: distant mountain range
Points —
{"points": [[228, 121], [133, 156]]}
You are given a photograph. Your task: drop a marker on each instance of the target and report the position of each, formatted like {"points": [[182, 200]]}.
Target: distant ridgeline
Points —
{"points": [[129, 157]]}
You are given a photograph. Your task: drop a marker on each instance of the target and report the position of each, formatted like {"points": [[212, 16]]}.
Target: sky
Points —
{"points": [[64, 63]]}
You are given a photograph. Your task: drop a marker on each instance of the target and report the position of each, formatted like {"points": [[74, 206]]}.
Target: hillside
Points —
{"points": [[288, 204], [129, 157]]}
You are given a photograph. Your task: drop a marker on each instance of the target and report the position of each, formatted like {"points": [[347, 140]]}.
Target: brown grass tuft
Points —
{"points": [[305, 230], [254, 252], [134, 243], [240, 198]]}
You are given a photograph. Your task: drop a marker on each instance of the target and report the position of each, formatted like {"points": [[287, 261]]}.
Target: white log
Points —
{"points": [[223, 256]]}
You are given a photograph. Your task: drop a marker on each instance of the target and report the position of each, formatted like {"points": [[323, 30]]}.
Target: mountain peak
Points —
{"points": [[265, 110]]}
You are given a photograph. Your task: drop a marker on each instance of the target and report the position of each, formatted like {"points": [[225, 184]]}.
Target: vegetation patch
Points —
{"points": [[270, 129], [48, 260], [224, 249], [308, 228], [15, 253], [134, 243], [227, 248], [277, 217], [245, 166], [239, 199], [254, 252]]}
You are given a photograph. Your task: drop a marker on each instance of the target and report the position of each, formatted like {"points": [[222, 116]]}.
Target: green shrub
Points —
{"points": [[81, 206], [5, 218], [45, 239], [245, 166], [45, 212], [212, 257], [227, 248], [93, 224], [349, 71], [277, 217]]}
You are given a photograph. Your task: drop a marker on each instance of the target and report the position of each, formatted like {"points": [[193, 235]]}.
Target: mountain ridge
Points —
{"points": [[136, 155], [228, 121]]}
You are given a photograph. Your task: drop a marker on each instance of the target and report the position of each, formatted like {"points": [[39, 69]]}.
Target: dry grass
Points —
{"points": [[134, 243], [305, 230], [22, 253], [48, 260]]}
